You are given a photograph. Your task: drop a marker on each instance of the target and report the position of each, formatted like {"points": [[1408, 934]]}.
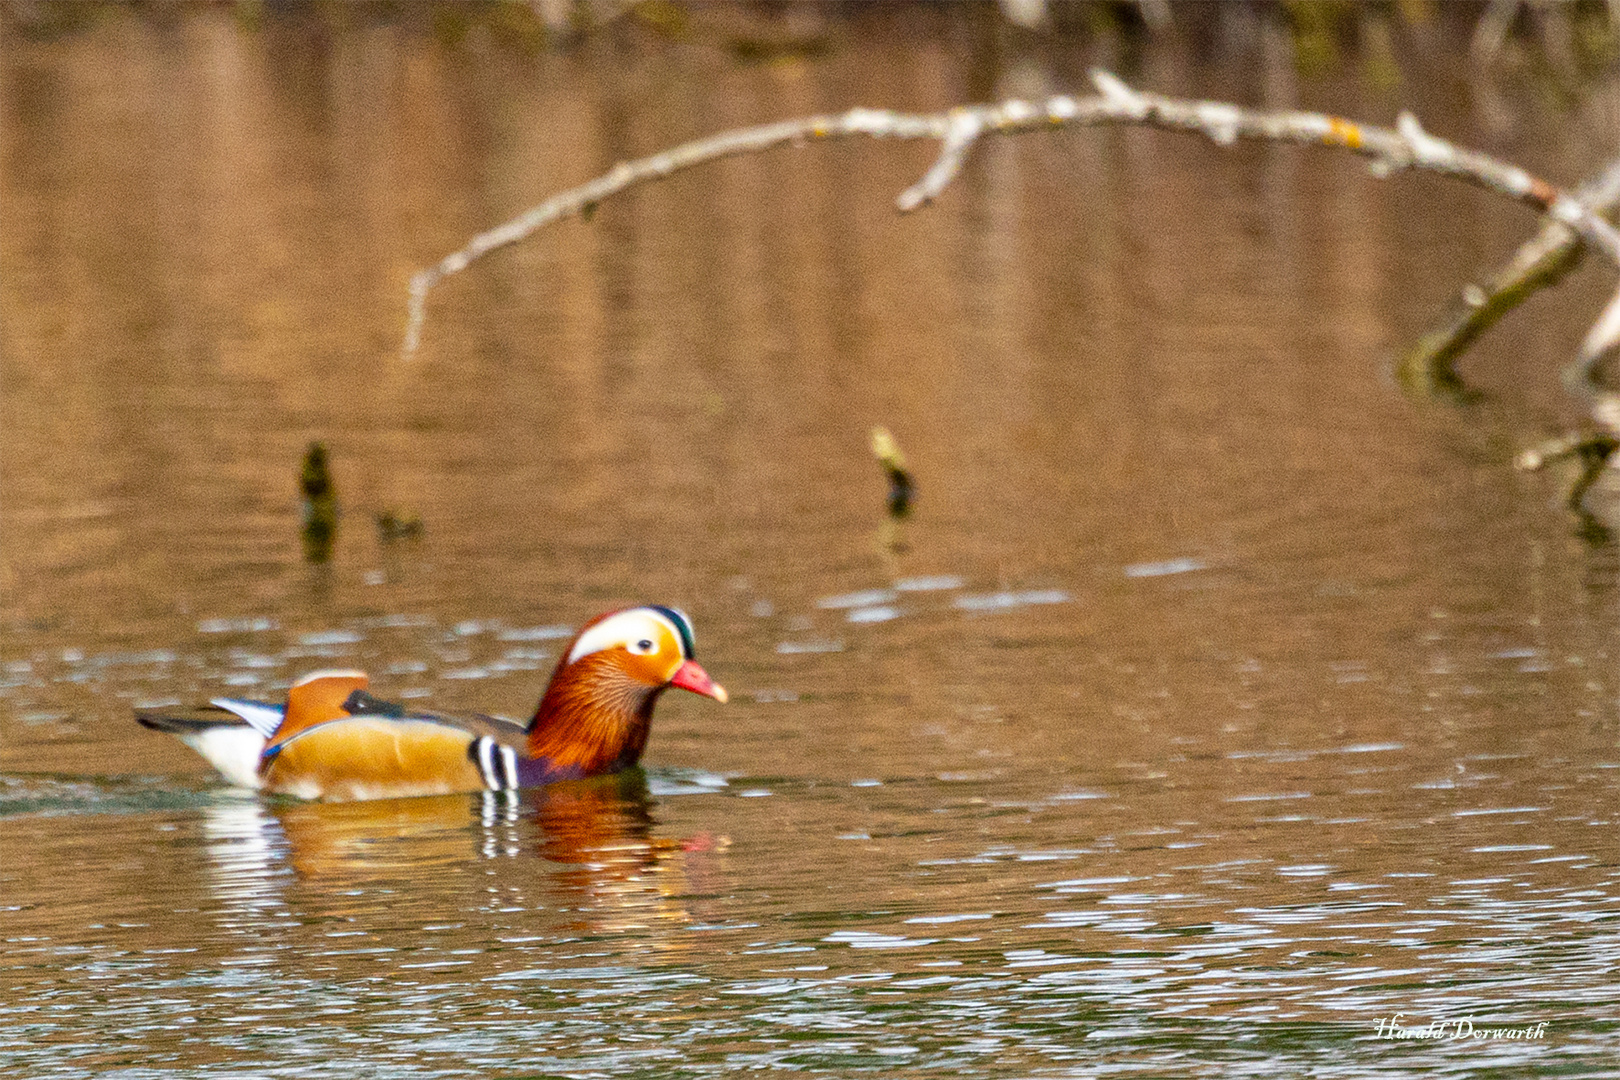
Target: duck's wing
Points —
{"points": [[335, 740], [504, 731], [262, 716], [373, 749]]}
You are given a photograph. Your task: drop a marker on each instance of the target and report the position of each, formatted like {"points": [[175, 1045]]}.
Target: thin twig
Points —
{"points": [[1601, 342], [583, 199], [1592, 452], [964, 130]]}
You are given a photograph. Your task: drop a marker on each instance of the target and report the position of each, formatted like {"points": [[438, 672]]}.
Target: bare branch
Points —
{"points": [[1592, 452], [1407, 146], [1539, 262], [583, 199], [1554, 449], [1601, 342]]}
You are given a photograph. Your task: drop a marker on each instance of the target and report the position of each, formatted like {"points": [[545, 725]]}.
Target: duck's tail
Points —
{"points": [[229, 733]]}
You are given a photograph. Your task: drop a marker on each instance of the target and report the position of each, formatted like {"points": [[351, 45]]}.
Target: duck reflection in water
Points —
{"points": [[607, 867]]}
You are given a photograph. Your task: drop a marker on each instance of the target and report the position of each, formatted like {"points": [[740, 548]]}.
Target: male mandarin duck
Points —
{"points": [[334, 741]]}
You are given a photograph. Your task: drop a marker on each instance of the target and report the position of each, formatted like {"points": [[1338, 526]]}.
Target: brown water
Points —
{"points": [[1216, 701]]}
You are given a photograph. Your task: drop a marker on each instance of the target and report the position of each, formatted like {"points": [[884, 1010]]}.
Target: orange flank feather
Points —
{"points": [[366, 757]]}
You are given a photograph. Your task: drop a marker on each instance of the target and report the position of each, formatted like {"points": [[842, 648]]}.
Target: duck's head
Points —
{"points": [[596, 709], [651, 646]]}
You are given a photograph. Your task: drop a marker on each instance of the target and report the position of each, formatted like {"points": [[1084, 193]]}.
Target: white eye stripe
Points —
{"points": [[627, 628]]}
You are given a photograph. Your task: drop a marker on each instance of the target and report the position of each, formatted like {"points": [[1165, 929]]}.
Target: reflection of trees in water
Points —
{"points": [[1563, 37]]}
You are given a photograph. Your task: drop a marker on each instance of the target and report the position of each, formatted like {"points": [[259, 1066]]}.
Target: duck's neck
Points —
{"points": [[592, 719]]}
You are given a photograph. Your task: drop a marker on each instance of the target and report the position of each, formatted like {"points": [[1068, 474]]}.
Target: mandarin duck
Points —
{"points": [[332, 740]]}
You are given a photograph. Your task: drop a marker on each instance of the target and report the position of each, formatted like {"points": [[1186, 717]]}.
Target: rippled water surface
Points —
{"points": [[1216, 704]]}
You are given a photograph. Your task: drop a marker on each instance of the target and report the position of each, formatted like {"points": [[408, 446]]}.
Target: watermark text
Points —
{"points": [[1391, 1027]]}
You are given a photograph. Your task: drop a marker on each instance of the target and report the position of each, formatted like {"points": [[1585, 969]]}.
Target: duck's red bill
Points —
{"points": [[689, 676]]}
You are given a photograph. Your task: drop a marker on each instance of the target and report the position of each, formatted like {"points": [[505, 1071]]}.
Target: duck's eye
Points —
{"points": [[643, 647]]}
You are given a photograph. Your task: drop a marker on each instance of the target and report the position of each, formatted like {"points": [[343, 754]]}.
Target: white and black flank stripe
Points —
{"points": [[497, 764]]}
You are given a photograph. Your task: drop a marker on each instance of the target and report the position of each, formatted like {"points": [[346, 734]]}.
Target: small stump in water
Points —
{"points": [[320, 504]]}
